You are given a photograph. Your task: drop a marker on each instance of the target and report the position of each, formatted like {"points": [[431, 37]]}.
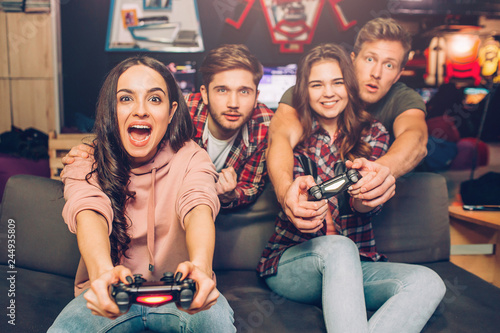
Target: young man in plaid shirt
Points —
{"points": [[230, 124]]}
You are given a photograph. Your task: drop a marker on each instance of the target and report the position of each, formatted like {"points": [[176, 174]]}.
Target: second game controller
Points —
{"points": [[335, 185], [153, 294]]}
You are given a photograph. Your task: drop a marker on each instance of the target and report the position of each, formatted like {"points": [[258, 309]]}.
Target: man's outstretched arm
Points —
{"points": [[405, 153], [410, 145], [285, 131]]}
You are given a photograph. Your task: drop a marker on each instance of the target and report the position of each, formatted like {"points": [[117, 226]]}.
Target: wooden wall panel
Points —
{"points": [[30, 45], [5, 119], [36, 111], [4, 61]]}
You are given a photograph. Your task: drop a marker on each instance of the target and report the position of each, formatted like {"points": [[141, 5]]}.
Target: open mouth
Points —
{"points": [[332, 103], [372, 87], [139, 133]]}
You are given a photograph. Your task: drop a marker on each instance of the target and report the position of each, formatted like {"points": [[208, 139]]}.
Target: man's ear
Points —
{"points": [[204, 94], [256, 99], [399, 75], [353, 56]]}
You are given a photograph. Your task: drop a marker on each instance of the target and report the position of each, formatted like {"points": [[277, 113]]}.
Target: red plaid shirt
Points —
{"points": [[349, 223], [249, 160]]}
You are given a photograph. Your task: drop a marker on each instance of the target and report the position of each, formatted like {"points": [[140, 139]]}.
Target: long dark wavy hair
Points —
{"points": [[112, 162], [353, 122]]}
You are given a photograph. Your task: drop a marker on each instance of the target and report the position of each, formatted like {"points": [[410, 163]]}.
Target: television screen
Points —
{"points": [[275, 81], [185, 75]]}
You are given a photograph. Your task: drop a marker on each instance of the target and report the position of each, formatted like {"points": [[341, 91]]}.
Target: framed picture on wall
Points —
{"points": [[154, 25]]}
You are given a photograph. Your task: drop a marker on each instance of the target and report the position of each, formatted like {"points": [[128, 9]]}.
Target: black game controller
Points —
{"points": [[334, 186], [168, 289]]}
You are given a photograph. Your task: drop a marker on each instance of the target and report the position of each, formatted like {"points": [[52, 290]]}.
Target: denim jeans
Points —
{"points": [[327, 270], [76, 317]]}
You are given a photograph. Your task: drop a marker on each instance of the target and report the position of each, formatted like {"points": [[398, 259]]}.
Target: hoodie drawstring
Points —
{"points": [[151, 222]]}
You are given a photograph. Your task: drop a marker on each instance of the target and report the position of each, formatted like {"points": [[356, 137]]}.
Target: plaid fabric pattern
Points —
{"points": [[247, 160], [351, 224]]}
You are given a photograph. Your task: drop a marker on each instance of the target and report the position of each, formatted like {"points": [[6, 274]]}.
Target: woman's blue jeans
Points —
{"points": [[327, 270], [76, 317]]}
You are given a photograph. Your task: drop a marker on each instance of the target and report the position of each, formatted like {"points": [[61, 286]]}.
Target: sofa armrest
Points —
{"points": [[31, 210], [413, 226]]}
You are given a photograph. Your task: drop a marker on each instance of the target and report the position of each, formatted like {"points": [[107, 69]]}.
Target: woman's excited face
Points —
{"points": [[143, 112]]}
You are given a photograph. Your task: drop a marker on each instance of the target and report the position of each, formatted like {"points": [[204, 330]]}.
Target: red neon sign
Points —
{"points": [[292, 23], [237, 24]]}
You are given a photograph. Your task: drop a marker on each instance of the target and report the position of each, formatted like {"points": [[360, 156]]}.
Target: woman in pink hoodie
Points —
{"points": [[144, 204]]}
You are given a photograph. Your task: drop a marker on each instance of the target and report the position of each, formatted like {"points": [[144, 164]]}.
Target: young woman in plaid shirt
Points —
{"points": [[318, 261]]}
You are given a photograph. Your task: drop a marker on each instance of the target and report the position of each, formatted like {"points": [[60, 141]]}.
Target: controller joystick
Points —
{"points": [[153, 294], [138, 278], [335, 185], [187, 294], [122, 300], [168, 277]]}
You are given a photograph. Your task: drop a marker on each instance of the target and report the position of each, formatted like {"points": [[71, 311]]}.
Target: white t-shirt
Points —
{"points": [[218, 150]]}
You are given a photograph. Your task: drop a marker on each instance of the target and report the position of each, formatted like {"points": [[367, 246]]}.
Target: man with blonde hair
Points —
{"points": [[393, 291], [380, 53]]}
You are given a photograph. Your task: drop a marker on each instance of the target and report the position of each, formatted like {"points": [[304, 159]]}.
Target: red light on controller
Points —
{"points": [[154, 300]]}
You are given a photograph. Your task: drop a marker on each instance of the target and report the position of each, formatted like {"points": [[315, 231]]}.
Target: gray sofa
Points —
{"points": [[413, 227]]}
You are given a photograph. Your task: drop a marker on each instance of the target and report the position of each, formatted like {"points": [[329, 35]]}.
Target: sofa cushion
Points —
{"points": [[469, 305], [242, 234], [413, 226], [39, 298], [258, 309], [32, 208]]}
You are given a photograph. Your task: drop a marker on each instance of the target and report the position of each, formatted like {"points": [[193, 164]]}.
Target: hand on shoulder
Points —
{"points": [[82, 151]]}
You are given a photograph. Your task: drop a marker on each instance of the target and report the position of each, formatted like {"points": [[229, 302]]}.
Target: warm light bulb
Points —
{"points": [[463, 47]]}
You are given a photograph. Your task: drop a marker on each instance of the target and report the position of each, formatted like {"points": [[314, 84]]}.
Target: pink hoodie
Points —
{"points": [[166, 188]]}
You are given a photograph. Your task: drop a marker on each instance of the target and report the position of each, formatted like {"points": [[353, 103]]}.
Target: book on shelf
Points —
{"points": [[28, 6], [12, 5], [37, 6]]}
